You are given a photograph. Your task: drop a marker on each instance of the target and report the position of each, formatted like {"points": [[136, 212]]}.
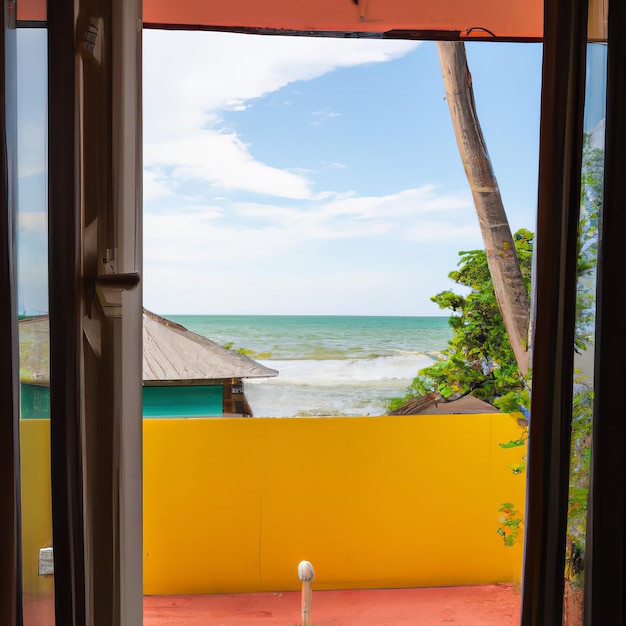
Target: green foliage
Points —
{"points": [[580, 466], [518, 468], [517, 443], [479, 358], [592, 178], [229, 346], [582, 408], [510, 524], [246, 352]]}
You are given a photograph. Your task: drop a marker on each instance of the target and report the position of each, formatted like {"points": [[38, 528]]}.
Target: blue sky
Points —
{"points": [[307, 175]]}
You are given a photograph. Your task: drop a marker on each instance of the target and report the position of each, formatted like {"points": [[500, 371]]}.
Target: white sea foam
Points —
{"points": [[334, 387], [343, 372]]}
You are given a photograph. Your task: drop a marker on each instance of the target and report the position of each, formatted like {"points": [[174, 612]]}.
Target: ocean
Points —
{"points": [[328, 365]]}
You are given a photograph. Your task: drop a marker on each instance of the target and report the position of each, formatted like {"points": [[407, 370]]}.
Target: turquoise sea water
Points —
{"points": [[328, 365]]}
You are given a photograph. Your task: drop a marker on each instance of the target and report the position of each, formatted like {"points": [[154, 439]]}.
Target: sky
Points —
{"points": [[295, 175]]}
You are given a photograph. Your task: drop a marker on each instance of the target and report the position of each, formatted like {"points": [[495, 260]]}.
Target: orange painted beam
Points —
{"points": [[31, 10], [427, 19]]}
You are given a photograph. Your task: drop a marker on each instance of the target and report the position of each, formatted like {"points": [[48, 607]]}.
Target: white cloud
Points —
{"points": [[404, 204], [35, 221], [189, 75], [190, 78], [332, 256], [333, 289], [31, 149], [155, 184], [33, 261], [249, 232], [220, 159], [320, 117]]}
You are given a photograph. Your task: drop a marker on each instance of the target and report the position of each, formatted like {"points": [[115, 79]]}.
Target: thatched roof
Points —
{"points": [[171, 352], [434, 403]]}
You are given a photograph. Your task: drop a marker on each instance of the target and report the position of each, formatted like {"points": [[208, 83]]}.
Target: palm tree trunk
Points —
{"points": [[506, 275]]}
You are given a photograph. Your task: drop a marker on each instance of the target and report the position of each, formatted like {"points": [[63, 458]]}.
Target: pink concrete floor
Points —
{"points": [[490, 605]]}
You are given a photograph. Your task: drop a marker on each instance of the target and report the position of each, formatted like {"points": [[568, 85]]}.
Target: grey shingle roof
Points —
{"points": [[171, 352]]}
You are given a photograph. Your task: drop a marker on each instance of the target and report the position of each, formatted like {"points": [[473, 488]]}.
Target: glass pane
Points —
{"points": [[38, 581], [591, 205]]}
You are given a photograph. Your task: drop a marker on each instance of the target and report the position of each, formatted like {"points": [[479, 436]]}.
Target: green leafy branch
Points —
{"points": [[510, 523], [246, 352]]}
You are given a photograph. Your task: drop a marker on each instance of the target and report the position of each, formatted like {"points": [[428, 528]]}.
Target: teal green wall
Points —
{"points": [[182, 401], [195, 401], [35, 401]]}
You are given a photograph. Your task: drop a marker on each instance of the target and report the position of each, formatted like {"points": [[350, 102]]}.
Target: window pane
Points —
{"points": [[580, 459], [38, 582]]}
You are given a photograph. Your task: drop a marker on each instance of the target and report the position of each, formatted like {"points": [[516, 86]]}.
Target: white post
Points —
{"points": [[306, 574]]}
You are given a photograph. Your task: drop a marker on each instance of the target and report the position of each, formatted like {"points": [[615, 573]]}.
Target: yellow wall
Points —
{"points": [[36, 503], [233, 505]]}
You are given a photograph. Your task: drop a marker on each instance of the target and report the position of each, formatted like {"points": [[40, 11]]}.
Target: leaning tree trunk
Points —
{"points": [[506, 274]]}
